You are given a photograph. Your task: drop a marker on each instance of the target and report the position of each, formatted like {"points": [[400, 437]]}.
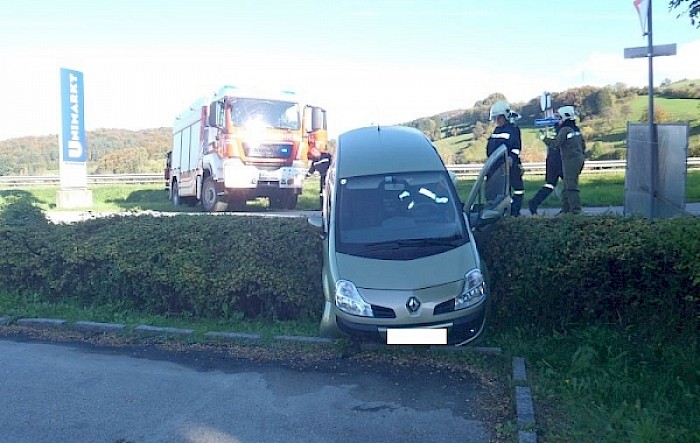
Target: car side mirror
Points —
{"points": [[316, 221], [480, 217]]}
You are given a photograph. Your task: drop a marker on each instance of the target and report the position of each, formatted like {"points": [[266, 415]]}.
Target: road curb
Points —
{"points": [[158, 330], [52, 323], [222, 336], [524, 406], [92, 326]]}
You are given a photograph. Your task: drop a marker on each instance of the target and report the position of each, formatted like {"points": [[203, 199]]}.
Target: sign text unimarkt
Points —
{"points": [[73, 115]]}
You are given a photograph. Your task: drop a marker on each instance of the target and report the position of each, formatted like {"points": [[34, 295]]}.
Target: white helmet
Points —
{"points": [[499, 108], [567, 112]]}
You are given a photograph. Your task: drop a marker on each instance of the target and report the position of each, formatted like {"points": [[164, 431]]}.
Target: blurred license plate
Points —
{"points": [[416, 336]]}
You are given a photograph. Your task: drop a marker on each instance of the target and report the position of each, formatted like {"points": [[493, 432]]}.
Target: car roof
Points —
{"points": [[385, 149]]}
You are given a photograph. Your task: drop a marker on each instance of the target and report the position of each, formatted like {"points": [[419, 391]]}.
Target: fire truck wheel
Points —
{"points": [[275, 201], [211, 201], [292, 199]]}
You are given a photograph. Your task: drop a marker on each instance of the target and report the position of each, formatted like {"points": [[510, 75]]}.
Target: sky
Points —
{"points": [[366, 61]]}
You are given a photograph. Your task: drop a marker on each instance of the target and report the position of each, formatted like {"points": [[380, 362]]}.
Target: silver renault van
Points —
{"points": [[400, 263]]}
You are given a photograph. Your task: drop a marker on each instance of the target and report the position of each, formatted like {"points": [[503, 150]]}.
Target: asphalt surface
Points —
{"points": [[76, 390]]}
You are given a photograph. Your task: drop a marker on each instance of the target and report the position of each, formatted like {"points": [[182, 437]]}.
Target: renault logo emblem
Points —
{"points": [[413, 304]]}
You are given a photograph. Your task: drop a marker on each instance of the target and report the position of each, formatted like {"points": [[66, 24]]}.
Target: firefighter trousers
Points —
{"points": [[571, 199]]}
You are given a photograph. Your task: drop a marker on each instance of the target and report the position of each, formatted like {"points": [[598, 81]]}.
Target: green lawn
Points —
{"points": [[604, 189]]}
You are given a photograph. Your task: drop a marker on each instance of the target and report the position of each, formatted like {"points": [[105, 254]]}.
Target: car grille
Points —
{"points": [[444, 307], [382, 312]]}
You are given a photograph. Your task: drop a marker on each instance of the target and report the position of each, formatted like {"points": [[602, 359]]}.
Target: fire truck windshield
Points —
{"points": [[265, 113]]}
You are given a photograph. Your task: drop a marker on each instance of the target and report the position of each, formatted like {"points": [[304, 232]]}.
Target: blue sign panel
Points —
{"points": [[72, 117]]}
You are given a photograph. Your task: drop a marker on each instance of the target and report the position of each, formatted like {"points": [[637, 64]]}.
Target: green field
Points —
{"points": [[603, 189]]}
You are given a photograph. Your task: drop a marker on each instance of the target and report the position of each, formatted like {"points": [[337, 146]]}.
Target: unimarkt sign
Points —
{"points": [[72, 116], [73, 148]]}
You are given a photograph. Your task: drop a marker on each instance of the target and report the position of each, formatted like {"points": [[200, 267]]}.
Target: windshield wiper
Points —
{"points": [[454, 240]]}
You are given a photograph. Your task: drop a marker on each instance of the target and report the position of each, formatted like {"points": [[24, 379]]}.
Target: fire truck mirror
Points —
{"points": [[213, 114]]}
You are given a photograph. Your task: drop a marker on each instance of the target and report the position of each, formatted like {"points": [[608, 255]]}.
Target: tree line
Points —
{"points": [[110, 151], [121, 151], [607, 103]]}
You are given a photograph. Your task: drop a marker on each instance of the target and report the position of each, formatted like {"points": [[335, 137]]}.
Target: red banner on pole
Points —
{"points": [[642, 7]]}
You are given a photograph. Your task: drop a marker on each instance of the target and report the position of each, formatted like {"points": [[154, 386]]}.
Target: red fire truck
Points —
{"points": [[239, 145]]}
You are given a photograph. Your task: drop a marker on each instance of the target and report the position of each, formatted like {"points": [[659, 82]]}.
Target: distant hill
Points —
{"points": [[460, 135], [110, 151]]}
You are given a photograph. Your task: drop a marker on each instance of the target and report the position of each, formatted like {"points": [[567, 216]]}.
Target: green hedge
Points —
{"points": [[559, 271], [197, 265], [554, 272]]}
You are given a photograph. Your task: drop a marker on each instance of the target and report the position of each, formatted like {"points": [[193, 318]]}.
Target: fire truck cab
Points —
{"points": [[238, 145]]}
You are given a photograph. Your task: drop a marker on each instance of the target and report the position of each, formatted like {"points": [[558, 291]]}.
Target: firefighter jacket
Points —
{"points": [[508, 134], [569, 142], [321, 164]]}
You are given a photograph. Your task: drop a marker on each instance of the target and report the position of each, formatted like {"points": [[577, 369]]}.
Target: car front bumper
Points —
{"points": [[460, 330]]}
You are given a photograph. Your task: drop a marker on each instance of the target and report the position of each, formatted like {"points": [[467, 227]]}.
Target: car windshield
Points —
{"points": [[251, 112], [399, 216]]}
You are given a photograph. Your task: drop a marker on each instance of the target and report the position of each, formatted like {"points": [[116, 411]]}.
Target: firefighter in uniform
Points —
{"points": [[552, 175], [320, 162], [572, 147], [509, 134]]}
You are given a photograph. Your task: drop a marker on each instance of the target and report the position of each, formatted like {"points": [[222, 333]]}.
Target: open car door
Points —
{"points": [[490, 199]]}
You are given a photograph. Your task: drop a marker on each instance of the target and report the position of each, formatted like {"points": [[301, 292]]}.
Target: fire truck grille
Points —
{"points": [[268, 150]]}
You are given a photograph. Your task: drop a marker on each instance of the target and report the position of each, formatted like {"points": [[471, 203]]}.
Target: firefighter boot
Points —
{"points": [[574, 201], [515, 206], [541, 195]]}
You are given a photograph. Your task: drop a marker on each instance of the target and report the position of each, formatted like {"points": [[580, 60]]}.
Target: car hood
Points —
{"points": [[409, 275]]}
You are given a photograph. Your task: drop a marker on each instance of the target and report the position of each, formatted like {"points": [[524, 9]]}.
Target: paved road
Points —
{"points": [[74, 392]]}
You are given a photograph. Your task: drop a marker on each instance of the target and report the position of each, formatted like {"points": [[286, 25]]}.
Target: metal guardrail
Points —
{"points": [[591, 166], [462, 170], [97, 179]]}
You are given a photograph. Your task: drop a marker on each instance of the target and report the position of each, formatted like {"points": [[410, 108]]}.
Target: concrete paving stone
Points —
{"points": [[42, 322], [99, 327], [519, 372], [523, 406], [232, 336], [479, 349], [157, 330], [304, 339]]}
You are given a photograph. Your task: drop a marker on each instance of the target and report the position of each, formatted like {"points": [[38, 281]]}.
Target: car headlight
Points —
{"points": [[349, 300], [473, 291]]}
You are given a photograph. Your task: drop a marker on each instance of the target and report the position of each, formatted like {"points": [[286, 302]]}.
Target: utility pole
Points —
{"points": [[653, 135], [651, 51]]}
